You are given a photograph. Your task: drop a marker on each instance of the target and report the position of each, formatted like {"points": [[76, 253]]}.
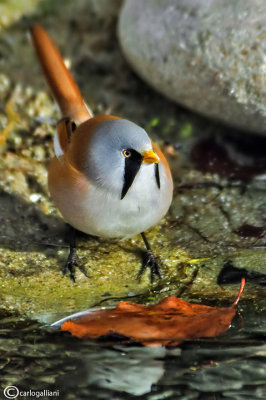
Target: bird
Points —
{"points": [[108, 178]]}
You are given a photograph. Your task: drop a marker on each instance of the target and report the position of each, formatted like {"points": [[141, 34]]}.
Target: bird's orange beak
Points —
{"points": [[150, 157]]}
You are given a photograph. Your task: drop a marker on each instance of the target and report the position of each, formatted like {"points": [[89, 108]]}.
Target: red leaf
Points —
{"points": [[167, 323]]}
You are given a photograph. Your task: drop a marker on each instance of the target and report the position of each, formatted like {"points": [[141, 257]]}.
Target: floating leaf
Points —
{"points": [[167, 323]]}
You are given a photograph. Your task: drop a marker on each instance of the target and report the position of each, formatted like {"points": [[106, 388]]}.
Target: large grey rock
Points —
{"points": [[208, 55]]}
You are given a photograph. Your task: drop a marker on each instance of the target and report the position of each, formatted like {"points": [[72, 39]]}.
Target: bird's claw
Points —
{"points": [[151, 262], [71, 264]]}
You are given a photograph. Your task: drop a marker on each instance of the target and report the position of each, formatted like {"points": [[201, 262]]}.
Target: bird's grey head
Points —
{"points": [[116, 154]]}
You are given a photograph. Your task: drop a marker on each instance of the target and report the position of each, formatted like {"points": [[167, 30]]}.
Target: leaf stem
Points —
{"points": [[242, 285]]}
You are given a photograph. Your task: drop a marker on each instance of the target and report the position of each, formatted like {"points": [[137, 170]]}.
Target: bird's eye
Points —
{"points": [[126, 153]]}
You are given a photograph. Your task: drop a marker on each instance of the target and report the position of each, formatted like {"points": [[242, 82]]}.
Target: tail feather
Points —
{"points": [[61, 82]]}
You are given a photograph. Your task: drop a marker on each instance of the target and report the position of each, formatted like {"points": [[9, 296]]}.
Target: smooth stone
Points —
{"points": [[209, 56]]}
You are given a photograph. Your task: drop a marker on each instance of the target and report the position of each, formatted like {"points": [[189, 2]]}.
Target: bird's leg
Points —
{"points": [[72, 260], [150, 261]]}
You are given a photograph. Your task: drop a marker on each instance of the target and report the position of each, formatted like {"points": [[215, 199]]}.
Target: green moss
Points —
{"points": [[33, 282], [12, 10], [186, 131]]}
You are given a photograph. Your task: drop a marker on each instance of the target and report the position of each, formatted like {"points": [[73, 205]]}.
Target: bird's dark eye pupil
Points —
{"points": [[127, 153]]}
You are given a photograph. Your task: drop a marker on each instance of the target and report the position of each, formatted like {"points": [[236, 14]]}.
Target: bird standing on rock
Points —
{"points": [[107, 178]]}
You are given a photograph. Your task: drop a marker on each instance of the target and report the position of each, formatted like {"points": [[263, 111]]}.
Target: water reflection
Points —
{"points": [[232, 366], [133, 370]]}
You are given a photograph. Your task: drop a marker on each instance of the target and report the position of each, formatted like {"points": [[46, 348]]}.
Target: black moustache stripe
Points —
{"points": [[132, 166], [157, 175]]}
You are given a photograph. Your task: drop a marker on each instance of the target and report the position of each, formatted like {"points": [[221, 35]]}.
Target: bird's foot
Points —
{"points": [[150, 262], [71, 264]]}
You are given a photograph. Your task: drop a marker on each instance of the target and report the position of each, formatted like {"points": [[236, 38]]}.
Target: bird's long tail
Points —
{"points": [[61, 82]]}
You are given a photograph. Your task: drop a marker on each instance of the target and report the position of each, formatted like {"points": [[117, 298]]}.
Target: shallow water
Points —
{"points": [[232, 366]]}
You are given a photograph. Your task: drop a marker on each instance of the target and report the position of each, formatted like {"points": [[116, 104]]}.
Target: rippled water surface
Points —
{"points": [[233, 366]]}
